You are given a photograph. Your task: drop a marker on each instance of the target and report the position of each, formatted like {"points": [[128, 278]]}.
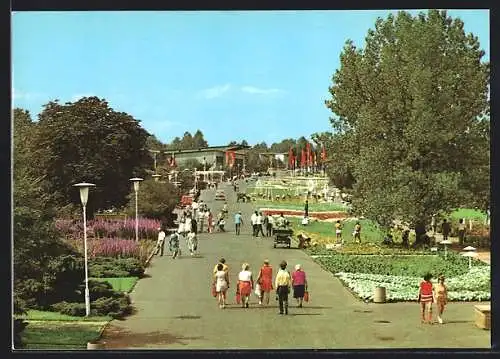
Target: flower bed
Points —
{"points": [[109, 228], [471, 286]]}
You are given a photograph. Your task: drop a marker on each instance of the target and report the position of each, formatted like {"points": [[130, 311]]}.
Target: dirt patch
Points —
{"points": [[118, 338]]}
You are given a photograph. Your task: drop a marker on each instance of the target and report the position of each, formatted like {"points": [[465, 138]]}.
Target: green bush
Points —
{"points": [[115, 307], [69, 308], [102, 267]]}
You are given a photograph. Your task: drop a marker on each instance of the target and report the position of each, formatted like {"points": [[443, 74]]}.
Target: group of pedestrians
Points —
{"points": [[262, 286], [429, 294]]}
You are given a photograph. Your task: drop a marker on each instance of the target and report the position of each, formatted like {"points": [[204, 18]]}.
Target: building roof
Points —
{"points": [[212, 148]]}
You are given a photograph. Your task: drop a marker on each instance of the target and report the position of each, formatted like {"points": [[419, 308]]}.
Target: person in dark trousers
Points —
{"points": [[461, 231], [306, 209], [445, 229], [406, 238], [238, 221], [282, 284], [194, 226]]}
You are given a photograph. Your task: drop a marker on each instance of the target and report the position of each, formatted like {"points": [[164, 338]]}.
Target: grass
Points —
{"points": [[370, 232], [55, 316], [299, 205], [468, 213], [60, 335], [120, 284]]}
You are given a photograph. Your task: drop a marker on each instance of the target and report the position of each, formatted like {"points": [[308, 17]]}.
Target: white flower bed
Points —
{"points": [[472, 286]]}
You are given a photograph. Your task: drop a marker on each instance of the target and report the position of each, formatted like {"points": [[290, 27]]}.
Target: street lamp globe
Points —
{"points": [[136, 181], [84, 191]]}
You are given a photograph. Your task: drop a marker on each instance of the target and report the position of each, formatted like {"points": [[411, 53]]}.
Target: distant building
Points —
{"points": [[214, 157]]}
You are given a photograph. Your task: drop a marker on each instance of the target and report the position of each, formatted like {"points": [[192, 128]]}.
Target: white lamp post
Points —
{"points": [[445, 243], [470, 255], [84, 196], [156, 177], [154, 152], [136, 181]]}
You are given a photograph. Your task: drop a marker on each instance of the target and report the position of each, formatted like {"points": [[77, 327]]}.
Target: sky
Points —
{"points": [[254, 75]]}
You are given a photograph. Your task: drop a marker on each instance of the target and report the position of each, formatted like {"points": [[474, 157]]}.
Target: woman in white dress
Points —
{"points": [[221, 282]]}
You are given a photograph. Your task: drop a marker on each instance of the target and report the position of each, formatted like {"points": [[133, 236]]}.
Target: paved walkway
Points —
{"points": [[176, 311]]}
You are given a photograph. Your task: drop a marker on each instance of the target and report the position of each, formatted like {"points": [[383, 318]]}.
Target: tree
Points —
{"points": [[187, 141], [199, 140], [89, 141], [155, 200], [244, 143], [408, 109]]}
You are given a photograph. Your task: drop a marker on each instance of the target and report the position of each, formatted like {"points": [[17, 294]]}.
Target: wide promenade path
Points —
{"points": [[174, 308]]}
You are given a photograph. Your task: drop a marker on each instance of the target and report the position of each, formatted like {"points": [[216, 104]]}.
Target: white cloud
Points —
{"points": [[79, 96], [20, 95], [260, 91], [216, 91]]}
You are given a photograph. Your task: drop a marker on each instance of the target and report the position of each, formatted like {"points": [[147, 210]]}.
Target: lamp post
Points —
{"points": [[154, 152], [136, 181], [445, 243], [84, 196], [469, 253], [156, 177]]}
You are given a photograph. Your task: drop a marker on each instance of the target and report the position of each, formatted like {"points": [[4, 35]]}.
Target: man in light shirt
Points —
{"points": [[194, 207], [201, 219], [258, 223], [282, 284], [238, 222], [160, 245], [192, 242], [253, 220]]}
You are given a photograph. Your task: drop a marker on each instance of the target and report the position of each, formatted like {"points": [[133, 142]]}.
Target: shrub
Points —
{"points": [[115, 307], [69, 308], [102, 267]]}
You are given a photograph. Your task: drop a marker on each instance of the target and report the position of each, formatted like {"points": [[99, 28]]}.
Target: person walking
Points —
{"points": [[441, 297], [245, 284], [265, 224], [445, 229], [201, 218], [306, 209], [224, 266], [338, 231], [265, 280], [221, 283], [259, 224], [194, 208], [357, 232], [192, 242], [299, 284], [433, 224], [270, 225], [210, 221], [173, 244], [253, 221], [238, 221], [426, 298], [461, 231], [160, 244], [282, 284], [194, 225]]}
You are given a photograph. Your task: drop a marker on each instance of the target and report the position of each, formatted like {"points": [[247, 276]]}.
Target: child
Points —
{"points": [[441, 297], [426, 298], [338, 231]]}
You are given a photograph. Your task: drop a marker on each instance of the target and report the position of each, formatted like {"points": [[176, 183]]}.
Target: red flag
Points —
{"points": [[323, 154], [308, 154], [290, 158], [303, 158]]}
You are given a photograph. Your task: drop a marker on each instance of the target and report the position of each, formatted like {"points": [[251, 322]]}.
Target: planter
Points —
{"points": [[379, 295], [95, 346], [483, 316]]}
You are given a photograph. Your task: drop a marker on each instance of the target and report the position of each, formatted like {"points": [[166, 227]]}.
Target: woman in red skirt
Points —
{"points": [[426, 298], [265, 280], [245, 284]]}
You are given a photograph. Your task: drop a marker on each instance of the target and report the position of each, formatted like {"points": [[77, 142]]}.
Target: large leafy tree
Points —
{"points": [[410, 122], [89, 141]]}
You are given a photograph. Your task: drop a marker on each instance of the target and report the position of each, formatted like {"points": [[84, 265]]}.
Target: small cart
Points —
{"points": [[283, 236]]}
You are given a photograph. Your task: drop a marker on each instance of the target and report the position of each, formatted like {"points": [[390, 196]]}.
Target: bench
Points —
{"points": [[483, 316]]}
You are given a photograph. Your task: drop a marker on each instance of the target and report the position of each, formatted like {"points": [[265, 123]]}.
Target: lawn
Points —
{"points": [[120, 284], [40, 315], [370, 231], [468, 213], [299, 205], [61, 335]]}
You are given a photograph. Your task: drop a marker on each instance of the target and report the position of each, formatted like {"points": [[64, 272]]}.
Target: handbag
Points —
{"points": [[214, 292], [258, 290], [306, 296]]}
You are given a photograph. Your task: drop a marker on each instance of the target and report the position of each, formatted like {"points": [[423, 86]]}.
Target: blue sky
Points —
{"points": [[259, 75]]}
